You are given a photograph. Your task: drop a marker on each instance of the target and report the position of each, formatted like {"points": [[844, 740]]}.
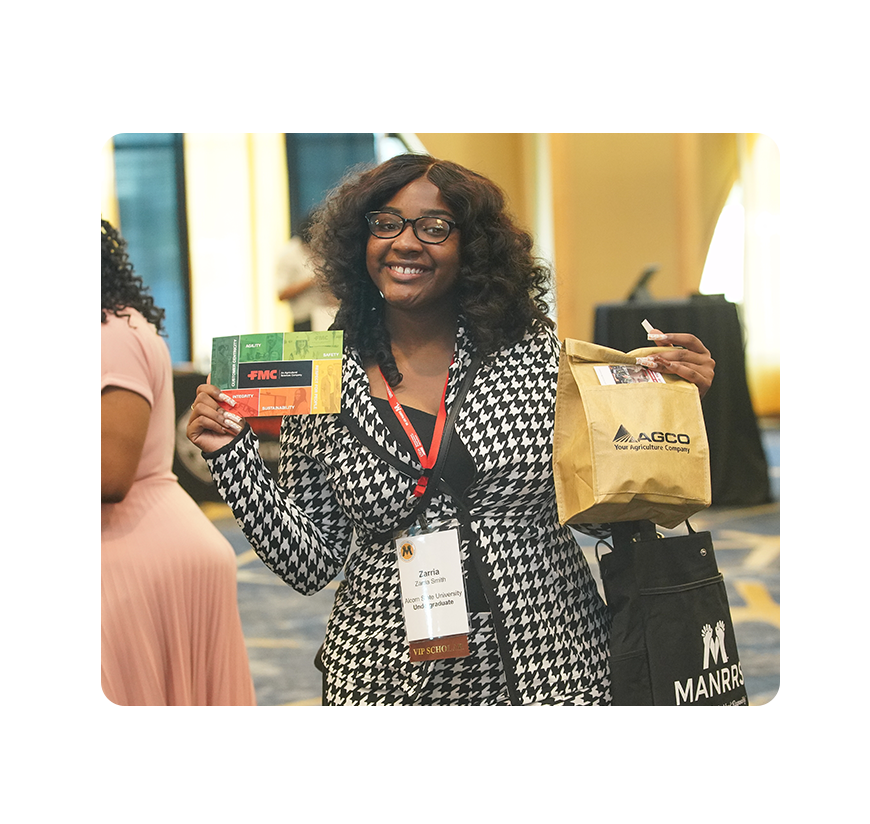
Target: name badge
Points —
{"points": [[433, 595]]}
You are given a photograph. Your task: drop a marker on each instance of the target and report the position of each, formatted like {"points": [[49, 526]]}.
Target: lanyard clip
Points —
{"points": [[422, 483]]}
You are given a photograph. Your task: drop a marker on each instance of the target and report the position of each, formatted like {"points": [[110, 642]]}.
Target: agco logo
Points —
{"points": [[668, 441], [624, 436]]}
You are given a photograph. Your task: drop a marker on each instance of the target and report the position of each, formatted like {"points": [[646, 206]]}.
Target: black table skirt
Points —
{"points": [[738, 465]]}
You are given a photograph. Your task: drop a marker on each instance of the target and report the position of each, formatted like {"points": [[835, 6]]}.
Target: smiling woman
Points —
{"points": [[443, 446], [500, 289]]}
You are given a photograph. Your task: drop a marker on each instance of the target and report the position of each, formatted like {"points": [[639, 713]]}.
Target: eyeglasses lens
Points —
{"points": [[427, 229]]}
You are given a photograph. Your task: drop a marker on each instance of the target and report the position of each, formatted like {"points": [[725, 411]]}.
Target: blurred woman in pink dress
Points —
{"points": [[171, 631]]}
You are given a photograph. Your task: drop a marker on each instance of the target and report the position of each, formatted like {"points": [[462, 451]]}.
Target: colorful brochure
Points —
{"points": [[279, 373]]}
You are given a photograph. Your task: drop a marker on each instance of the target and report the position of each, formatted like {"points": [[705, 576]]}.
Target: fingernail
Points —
{"points": [[226, 399], [648, 362], [232, 417], [656, 337], [233, 425]]}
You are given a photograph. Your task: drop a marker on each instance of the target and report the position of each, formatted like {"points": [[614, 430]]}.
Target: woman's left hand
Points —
{"points": [[692, 362]]}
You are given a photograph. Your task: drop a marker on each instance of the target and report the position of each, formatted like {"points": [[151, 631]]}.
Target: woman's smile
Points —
{"points": [[405, 272]]}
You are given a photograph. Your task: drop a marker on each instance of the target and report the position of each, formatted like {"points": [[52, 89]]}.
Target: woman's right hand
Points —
{"points": [[210, 426]]}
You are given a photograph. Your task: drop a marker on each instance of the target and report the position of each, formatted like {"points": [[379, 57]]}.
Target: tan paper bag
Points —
{"points": [[629, 444]]}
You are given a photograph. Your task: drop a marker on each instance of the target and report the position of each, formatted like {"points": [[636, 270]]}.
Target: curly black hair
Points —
{"points": [[502, 287], [121, 287]]}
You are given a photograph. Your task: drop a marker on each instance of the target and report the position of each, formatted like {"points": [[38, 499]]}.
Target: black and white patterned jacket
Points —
{"points": [[551, 624]]}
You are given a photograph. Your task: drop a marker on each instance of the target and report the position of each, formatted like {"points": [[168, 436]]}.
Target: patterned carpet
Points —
{"points": [[284, 629]]}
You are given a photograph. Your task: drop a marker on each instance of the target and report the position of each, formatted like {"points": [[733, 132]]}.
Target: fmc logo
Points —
{"points": [[263, 375], [272, 374]]}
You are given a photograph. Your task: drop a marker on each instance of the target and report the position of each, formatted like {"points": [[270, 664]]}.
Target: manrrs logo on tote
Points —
{"points": [[718, 677]]}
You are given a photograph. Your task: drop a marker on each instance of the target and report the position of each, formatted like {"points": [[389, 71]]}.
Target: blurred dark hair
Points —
{"points": [[121, 287], [303, 230], [502, 287]]}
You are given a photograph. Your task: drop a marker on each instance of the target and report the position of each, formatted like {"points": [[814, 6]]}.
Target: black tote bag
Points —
{"points": [[672, 640]]}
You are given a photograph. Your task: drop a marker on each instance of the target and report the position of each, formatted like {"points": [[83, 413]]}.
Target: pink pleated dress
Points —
{"points": [[171, 631]]}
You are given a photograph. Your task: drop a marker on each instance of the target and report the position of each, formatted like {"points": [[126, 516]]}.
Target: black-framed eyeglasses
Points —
{"points": [[427, 229]]}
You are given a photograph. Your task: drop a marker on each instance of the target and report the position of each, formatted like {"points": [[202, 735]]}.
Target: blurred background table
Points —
{"points": [[738, 467]]}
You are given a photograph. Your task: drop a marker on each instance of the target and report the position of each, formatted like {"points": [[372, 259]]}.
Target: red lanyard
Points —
{"points": [[427, 461]]}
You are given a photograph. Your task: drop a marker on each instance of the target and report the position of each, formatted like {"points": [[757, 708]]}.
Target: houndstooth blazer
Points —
{"points": [[346, 474]]}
